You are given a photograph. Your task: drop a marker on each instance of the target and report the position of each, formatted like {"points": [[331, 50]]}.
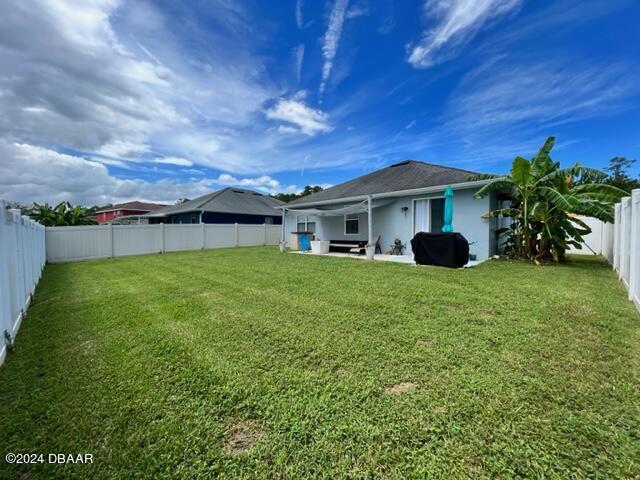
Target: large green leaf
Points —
{"points": [[521, 172], [556, 198], [594, 209], [482, 176], [502, 212], [600, 191], [543, 159], [499, 183]]}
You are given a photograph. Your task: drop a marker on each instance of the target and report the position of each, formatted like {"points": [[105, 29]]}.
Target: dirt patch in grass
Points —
{"points": [[242, 437], [425, 341], [400, 388]]}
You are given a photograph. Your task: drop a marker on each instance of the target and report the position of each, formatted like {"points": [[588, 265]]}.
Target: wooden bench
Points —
{"points": [[346, 244], [354, 247]]}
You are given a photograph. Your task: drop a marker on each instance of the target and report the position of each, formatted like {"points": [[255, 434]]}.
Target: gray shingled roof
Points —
{"points": [[405, 175], [227, 200], [142, 206]]}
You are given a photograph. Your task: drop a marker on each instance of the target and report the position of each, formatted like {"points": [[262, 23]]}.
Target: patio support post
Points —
{"points": [[284, 217], [369, 221]]}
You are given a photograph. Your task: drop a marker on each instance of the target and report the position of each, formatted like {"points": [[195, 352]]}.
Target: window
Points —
{"points": [[350, 225], [428, 215], [268, 220], [437, 214], [305, 224], [194, 218]]}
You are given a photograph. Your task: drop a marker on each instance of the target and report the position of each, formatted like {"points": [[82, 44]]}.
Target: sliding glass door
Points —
{"points": [[428, 215]]}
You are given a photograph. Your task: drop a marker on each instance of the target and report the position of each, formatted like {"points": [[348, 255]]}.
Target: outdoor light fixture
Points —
{"points": [[404, 210]]}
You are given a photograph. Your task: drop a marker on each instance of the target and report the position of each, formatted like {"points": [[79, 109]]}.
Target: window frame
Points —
{"points": [[413, 211], [351, 218]]}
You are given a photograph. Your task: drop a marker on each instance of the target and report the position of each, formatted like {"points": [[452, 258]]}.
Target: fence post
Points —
{"points": [[162, 237], [204, 235], [634, 246], [5, 295], [625, 237], [264, 234], [616, 238], [237, 232], [111, 249]]}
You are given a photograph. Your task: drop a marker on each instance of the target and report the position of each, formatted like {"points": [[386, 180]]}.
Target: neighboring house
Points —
{"points": [[396, 202], [108, 215], [229, 205]]}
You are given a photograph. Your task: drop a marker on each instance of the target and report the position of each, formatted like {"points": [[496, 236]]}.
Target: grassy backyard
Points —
{"points": [[247, 363]]}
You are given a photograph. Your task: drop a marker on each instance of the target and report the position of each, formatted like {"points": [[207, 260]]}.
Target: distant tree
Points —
{"points": [[618, 176], [290, 197], [63, 214], [17, 206]]}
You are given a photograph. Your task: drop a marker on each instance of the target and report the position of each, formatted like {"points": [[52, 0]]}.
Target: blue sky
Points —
{"points": [[109, 100]]}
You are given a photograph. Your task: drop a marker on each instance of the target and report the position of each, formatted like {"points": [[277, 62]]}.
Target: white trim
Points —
{"points": [[353, 216]]}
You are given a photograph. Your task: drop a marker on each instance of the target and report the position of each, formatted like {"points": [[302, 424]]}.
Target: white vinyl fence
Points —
{"points": [[103, 241], [621, 244], [22, 258]]}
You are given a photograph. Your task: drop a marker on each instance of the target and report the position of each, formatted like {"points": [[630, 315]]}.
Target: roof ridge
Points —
{"points": [[439, 166]]}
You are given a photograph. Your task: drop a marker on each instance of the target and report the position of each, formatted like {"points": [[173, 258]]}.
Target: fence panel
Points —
{"points": [[592, 243], [625, 240], [625, 255], [634, 247], [136, 240], [22, 258], [182, 237], [220, 236], [78, 243], [105, 241]]}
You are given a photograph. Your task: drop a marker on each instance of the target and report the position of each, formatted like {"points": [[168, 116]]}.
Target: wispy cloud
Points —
{"points": [[178, 161], [332, 40], [302, 118], [299, 18], [456, 21], [547, 93], [299, 58], [508, 106]]}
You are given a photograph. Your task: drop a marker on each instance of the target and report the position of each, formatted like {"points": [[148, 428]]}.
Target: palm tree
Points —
{"points": [[545, 202]]}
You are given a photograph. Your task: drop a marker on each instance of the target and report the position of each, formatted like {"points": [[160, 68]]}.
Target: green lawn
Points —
{"points": [[248, 363]]}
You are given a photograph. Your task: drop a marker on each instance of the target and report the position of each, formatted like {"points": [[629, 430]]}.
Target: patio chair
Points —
{"points": [[360, 249]]}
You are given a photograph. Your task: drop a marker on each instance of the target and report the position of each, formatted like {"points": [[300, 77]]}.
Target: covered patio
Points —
{"points": [[336, 211]]}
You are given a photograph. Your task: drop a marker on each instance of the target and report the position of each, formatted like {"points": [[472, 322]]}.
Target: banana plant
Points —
{"points": [[545, 201], [63, 214]]}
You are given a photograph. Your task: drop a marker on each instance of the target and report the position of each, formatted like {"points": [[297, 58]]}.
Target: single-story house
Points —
{"points": [[393, 203], [107, 215], [229, 205]]}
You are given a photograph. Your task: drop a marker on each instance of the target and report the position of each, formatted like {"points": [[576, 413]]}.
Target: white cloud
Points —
{"points": [[262, 181], [358, 10], [332, 39], [179, 161], [410, 124], [30, 173], [309, 121], [456, 21], [123, 148]]}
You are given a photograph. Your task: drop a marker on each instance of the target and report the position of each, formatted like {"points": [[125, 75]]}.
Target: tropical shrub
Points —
{"points": [[63, 214], [546, 201]]}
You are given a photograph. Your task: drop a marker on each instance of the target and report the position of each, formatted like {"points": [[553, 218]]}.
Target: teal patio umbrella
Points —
{"points": [[448, 210]]}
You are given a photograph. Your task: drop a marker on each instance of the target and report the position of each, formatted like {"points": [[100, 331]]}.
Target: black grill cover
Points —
{"points": [[443, 249]]}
